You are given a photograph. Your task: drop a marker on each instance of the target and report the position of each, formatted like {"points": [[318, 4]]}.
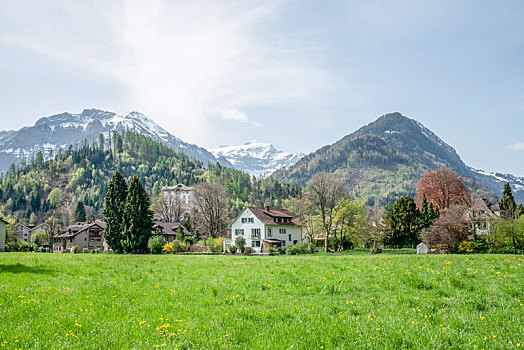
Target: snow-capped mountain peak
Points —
{"points": [[257, 158], [50, 134]]}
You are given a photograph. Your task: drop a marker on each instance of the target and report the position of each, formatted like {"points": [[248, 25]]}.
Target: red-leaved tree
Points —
{"points": [[443, 188]]}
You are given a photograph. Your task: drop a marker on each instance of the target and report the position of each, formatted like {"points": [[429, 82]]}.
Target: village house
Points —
{"points": [[169, 230], [3, 234], [37, 230], [84, 235], [482, 214], [23, 233], [263, 228], [182, 192]]}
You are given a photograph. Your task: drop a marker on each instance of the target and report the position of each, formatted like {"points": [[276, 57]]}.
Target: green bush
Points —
{"points": [[85, 250], [272, 251], [76, 250], [23, 246], [299, 248], [240, 243], [155, 244], [232, 249]]}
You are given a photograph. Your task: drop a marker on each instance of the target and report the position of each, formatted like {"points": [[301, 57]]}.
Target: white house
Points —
{"points": [[3, 230], [266, 227]]}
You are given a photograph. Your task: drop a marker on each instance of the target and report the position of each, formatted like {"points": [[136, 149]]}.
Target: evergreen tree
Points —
{"points": [[180, 234], [80, 213], [138, 219], [403, 223], [428, 214], [114, 212], [507, 204]]}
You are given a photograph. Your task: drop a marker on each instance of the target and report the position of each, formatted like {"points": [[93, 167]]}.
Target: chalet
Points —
{"points": [[23, 233], [481, 214], [83, 235], [169, 230], [3, 234], [263, 228]]}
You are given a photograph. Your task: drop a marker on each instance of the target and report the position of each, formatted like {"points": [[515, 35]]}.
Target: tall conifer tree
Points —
{"points": [[138, 218], [507, 204], [114, 212], [80, 212]]}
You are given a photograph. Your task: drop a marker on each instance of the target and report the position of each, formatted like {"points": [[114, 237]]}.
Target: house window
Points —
{"points": [[295, 242], [255, 244], [269, 232], [251, 220], [239, 232], [282, 231], [255, 233]]}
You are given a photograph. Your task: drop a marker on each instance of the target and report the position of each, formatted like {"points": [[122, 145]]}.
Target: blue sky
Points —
{"points": [[299, 74]]}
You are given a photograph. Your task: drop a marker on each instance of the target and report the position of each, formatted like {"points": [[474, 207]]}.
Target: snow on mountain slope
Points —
{"points": [[257, 158], [50, 134]]}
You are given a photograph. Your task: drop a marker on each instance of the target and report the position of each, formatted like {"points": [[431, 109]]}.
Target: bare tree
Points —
{"points": [[304, 210], [169, 207], [51, 231], [326, 191], [212, 209], [449, 230]]}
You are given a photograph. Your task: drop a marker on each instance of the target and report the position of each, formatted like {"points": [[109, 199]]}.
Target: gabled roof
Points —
{"points": [[5, 222], [180, 187], [267, 216], [484, 209], [80, 227]]}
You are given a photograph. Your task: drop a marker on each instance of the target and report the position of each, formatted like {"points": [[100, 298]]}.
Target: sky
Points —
{"points": [[299, 74]]}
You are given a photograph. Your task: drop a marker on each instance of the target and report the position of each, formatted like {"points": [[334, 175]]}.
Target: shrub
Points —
{"points": [[168, 248], [85, 250], [232, 249], [299, 248], [219, 244], [465, 247], [76, 250], [156, 244], [23, 246], [240, 243], [272, 251]]}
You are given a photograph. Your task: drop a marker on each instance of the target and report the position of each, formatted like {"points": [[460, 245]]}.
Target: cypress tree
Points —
{"points": [[114, 212], [80, 212], [507, 204], [138, 219]]}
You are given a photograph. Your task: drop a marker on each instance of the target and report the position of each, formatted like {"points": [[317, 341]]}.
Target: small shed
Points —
{"points": [[422, 248]]}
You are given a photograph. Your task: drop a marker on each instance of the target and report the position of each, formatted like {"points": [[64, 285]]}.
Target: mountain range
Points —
{"points": [[50, 134], [256, 158], [379, 162], [387, 158]]}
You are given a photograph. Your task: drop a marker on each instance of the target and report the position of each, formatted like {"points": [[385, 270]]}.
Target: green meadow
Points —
{"points": [[62, 301]]}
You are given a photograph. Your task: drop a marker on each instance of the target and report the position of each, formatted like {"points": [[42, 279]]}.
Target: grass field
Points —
{"points": [[300, 302]]}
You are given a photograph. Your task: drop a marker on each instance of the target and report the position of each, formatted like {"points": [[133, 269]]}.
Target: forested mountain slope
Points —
{"points": [[30, 192], [386, 158]]}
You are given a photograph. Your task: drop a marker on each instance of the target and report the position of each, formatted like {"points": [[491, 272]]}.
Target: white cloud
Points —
{"points": [[238, 116], [518, 146], [183, 63]]}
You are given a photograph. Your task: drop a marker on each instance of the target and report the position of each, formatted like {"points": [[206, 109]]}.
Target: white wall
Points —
{"points": [[294, 231], [247, 227], [3, 229]]}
